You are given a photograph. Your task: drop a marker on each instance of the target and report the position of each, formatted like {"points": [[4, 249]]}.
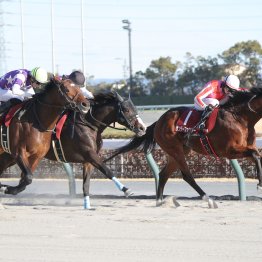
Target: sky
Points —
{"points": [[160, 28]]}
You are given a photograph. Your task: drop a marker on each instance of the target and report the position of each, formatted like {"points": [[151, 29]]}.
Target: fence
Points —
{"points": [[134, 165]]}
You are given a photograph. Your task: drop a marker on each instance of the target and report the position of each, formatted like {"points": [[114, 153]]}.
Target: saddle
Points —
{"points": [[189, 123], [5, 121], [189, 120]]}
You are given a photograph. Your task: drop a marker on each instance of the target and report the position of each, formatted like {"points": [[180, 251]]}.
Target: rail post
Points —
{"points": [[240, 179], [71, 179], [154, 167]]}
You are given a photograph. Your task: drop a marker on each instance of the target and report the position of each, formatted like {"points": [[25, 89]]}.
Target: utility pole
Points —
{"points": [[22, 33], [128, 28], [82, 38], [52, 38]]}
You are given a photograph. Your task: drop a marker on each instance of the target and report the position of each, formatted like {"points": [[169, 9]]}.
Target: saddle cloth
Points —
{"points": [[13, 110], [6, 119], [191, 117], [59, 125]]}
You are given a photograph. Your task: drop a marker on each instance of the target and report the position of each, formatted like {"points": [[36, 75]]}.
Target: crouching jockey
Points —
{"points": [[213, 94], [78, 78], [18, 85]]}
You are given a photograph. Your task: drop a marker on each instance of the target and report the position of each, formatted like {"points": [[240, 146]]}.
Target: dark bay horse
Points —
{"points": [[84, 147], [30, 131], [107, 108], [233, 137]]}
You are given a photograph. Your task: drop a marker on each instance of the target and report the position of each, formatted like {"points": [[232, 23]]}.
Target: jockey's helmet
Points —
{"points": [[39, 74], [232, 81], [77, 78]]}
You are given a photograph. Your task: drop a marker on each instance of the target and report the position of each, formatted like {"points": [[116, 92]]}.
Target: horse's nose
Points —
{"points": [[84, 107]]}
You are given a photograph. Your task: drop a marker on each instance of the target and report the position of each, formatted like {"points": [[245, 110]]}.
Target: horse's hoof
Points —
{"points": [[259, 189], [211, 203], [159, 203], [11, 191], [89, 208], [176, 204], [128, 193], [2, 190]]}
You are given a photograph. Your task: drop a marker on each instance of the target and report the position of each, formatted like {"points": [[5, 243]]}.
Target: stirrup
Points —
{"points": [[201, 126]]}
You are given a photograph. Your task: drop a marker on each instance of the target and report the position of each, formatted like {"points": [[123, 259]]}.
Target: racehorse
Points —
{"points": [[233, 137], [84, 147], [30, 130], [107, 108]]}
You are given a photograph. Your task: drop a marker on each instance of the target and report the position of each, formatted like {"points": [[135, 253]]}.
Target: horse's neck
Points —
{"points": [[48, 112], [254, 110], [105, 114]]}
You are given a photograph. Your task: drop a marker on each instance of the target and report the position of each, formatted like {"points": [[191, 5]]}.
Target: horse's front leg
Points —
{"points": [[97, 162], [257, 158], [26, 177]]}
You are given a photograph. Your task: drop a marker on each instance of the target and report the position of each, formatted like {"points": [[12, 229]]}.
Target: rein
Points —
{"points": [[249, 106], [71, 103], [103, 124]]}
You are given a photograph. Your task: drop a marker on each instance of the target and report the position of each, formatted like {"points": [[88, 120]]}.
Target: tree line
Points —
{"points": [[166, 78]]}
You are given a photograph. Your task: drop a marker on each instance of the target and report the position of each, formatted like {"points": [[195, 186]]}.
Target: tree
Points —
{"points": [[161, 76], [247, 58], [195, 72]]}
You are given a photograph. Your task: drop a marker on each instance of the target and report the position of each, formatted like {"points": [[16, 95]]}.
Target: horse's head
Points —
{"points": [[128, 116], [71, 96]]}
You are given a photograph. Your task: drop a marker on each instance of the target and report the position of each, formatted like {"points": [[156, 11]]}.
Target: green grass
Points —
{"points": [[112, 133]]}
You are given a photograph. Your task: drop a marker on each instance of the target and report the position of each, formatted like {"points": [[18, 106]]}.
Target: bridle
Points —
{"points": [[121, 117], [71, 104], [249, 106]]}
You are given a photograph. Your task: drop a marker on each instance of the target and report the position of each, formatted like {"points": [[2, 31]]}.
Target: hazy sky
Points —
{"points": [[159, 28]]}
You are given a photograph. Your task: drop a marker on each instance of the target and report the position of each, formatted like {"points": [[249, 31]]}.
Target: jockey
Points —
{"points": [[78, 78], [215, 93], [20, 84]]}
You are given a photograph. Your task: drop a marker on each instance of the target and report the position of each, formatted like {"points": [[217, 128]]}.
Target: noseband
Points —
{"points": [[129, 120], [71, 104], [249, 106]]}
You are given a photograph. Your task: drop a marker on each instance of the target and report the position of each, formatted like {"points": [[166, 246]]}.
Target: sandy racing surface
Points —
{"points": [[45, 227]]}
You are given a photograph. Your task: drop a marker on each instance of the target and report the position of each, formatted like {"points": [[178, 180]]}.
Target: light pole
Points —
{"points": [[128, 28]]}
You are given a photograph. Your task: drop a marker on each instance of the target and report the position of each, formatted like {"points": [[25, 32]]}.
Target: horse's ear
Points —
{"points": [[120, 98]]}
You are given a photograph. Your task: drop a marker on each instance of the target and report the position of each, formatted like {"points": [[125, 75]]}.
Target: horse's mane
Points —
{"points": [[104, 97], [242, 97]]}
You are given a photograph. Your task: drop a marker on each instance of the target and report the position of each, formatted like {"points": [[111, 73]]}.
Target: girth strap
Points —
{"points": [[58, 150]]}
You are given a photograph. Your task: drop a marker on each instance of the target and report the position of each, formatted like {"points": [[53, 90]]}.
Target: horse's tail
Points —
{"points": [[144, 143]]}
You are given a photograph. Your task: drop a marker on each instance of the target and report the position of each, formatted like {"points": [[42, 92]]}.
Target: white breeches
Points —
{"points": [[7, 94], [207, 101]]}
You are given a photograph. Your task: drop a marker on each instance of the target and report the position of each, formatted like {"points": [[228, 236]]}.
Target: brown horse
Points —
{"points": [[84, 147], [30, 131], [233, 136]]}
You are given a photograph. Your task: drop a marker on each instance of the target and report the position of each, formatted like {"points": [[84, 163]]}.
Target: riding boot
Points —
{"points": [[4, 106], [206, 113], [15, 101]]}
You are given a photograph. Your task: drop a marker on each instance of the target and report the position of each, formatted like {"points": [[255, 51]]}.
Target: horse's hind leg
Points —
{"points": [[97, 162], [6, 160], [164, 174], [87, 169], [257, 158], [187, 176]]}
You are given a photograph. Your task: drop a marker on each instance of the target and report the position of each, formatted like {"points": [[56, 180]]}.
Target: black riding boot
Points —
{"points": [[4, 106], [206, 113]]}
